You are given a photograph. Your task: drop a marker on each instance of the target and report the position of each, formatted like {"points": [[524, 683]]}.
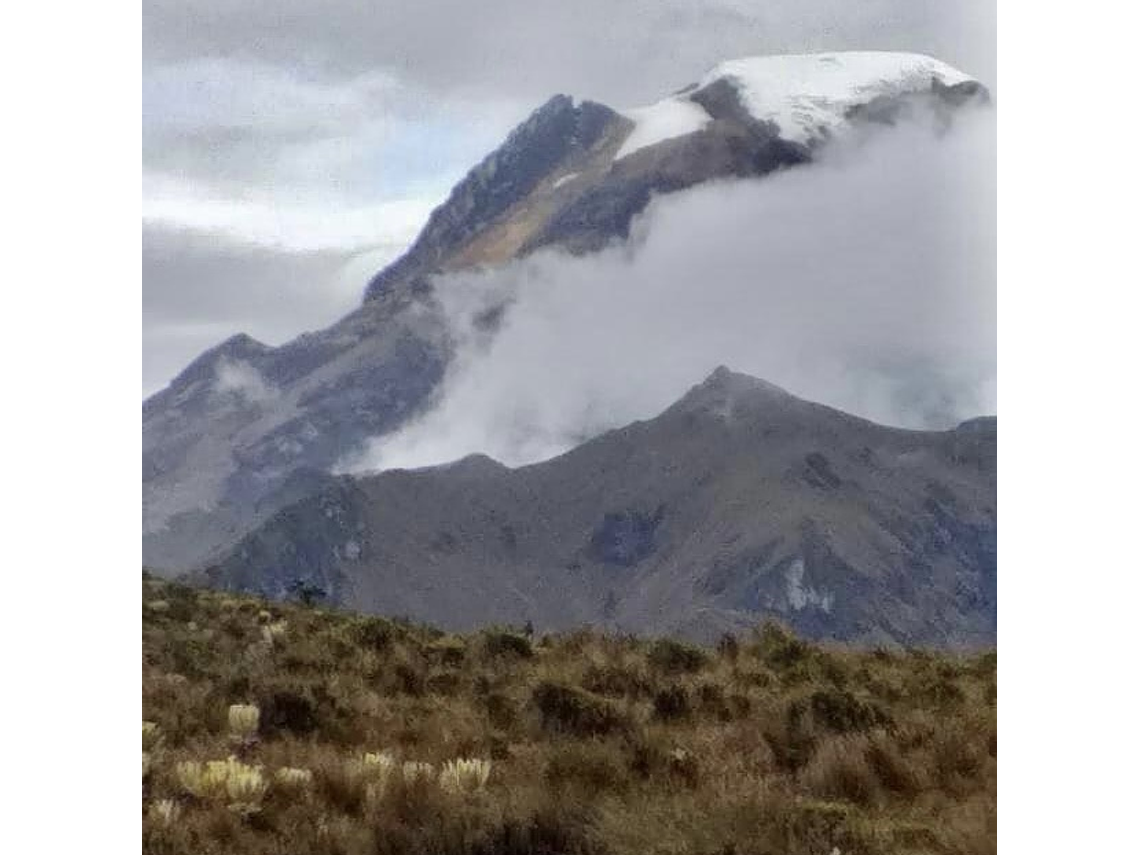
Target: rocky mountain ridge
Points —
{"points": [[737, 503], [246, 427]]}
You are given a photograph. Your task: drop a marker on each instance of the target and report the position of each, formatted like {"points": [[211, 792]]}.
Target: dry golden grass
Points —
{"points": [[377, 736]]}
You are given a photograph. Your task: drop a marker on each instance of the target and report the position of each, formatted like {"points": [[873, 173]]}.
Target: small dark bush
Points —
{"points": [[683, 766], [675, 657], [450, 653], [647, 756], [181, 603], [841, 712], [615, 681], [236, 689], [710, 698], [374, 633], [671, 704], [793, 739], [501, 710], [287, 712], [507, 644], [728, 647], [779, 648], [410, 680], [572, 710], [739, 705], [499, 746]]}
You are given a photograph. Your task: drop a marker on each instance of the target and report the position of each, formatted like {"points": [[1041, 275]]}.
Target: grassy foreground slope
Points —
{"points": [[345, 731]]}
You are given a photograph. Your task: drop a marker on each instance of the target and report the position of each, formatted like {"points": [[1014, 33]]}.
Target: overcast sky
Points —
{"points": [[291, 148]]}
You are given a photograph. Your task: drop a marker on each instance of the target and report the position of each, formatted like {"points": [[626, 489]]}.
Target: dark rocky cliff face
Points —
{"points": [[556, 133]]}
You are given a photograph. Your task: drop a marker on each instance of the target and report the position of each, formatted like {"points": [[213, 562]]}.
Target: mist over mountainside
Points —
{"points": [[739, 502], [864, 282], [247, 429]]}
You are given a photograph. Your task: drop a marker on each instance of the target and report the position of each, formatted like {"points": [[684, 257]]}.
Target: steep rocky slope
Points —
{"points": [[740, 501]]}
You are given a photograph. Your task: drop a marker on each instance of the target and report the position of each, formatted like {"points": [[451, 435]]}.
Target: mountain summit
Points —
{"points": [[246, 429], [575, 176]]}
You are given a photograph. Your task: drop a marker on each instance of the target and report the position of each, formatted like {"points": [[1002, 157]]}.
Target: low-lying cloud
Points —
{"points": [[235, 377], [865, 281], [201, 287]]}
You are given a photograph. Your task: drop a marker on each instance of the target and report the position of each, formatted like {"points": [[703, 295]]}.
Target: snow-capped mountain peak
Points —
{"points": [[809, 95]]}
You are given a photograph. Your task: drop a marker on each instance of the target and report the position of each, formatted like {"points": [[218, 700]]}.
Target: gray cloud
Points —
{"points": [[202, 288], [238, 125], [616, 50], [866, 282], [251, 92], [242, 379]]}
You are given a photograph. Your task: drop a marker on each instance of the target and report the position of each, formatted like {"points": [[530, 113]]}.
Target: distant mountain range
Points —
{"points": [[247, 431]]}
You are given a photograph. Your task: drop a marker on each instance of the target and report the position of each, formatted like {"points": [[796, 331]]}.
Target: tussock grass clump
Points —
{"points": [[590, 766], [151, 736], [374, 633], [415, 771], [777, 647], [464, 776], [675, 657], [447, 652], [243, 720], [274, 633], [239, 785], [617, 681], [571, 710], [672, 703], [291, 779], [728, 647], [164, 812], [840, 711], [371, 736], [502, 643], [839, 770]]}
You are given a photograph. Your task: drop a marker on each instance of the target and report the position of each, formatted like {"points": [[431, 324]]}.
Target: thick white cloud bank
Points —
{"points": [[865, 281]]}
